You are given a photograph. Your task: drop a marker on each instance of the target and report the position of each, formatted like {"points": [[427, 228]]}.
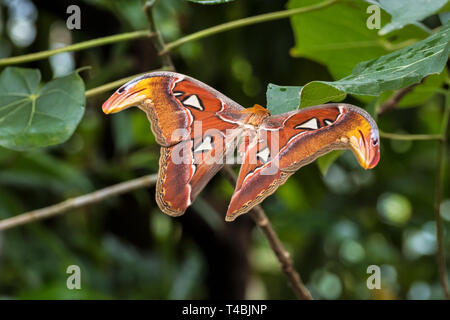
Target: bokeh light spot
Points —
{"points": [[352, 251], [394, 208]]}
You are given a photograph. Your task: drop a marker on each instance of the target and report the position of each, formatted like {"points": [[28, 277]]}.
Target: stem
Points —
{"points": [[245, 22], [78, 202], [158, 41], [397, 136], [393, 101], [261, 220], [164, 49], [117, 83], [396, 46], [78, 46], [438, 199]]}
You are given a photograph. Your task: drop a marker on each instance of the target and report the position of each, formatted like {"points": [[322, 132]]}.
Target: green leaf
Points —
{"points": [[339, 43], [315, 93], [210, 1], [281, 99], [444, 17], [338, 37], [389, 72], [406, 12], [399, 68], [32, 117]]}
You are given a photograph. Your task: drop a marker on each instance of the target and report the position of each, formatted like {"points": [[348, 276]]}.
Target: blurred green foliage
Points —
{"points": [[334, 225]]}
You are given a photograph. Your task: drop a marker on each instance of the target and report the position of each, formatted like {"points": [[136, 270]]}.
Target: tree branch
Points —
{"points": [[261, 220], [77, 46], [78, 202]]}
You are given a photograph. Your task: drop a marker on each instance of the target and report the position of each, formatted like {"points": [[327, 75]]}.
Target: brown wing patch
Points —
{"points": [[302, 137]]}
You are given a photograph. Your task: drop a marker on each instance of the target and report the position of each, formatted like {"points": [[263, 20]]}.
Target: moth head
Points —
{"points": [[132, 93], [362, 137]]}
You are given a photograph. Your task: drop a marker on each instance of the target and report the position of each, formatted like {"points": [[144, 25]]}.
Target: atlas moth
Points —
{"points": [[197, 128]]}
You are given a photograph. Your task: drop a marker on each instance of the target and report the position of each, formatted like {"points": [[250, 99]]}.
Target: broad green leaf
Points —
{"points": [[210, 1], [335, 36], [444, 17], [389, 72], [338, 37], [445, 8], [32, 117], [406, 12], [282, 99], [400, 68], [317, 93]]}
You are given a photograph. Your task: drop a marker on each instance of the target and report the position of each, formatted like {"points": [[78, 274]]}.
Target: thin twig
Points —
{"points": [[77, 46], [395, 99], [261, 220], [440, 255], [158, 41], [409, 137], [245, 22], [78, 202], [153, 33]]}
